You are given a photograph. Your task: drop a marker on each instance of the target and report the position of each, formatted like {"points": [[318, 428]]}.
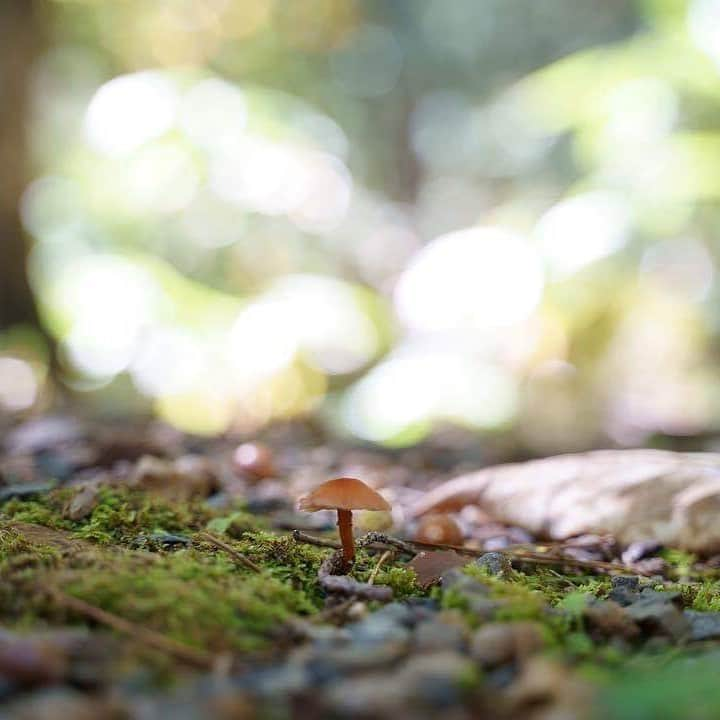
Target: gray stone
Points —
{"points": [[24, 491], [703, 625], [658, 615], [396, 612], [495, 644], [434, 635], [458, 580], [495, 563], [423, 683]]}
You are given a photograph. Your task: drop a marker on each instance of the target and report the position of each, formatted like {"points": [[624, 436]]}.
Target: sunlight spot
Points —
{"points": [[582, 229], [417, 386], [479, 278], [18, 384], [213, 112], [129, 110], [704, 24]]}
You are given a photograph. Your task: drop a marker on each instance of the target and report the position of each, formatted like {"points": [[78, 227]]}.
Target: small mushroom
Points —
{"points": [[344, 494], [439, 530]]}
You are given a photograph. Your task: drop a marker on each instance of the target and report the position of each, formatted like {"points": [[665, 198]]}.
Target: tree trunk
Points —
{"points": [[19, 45]]}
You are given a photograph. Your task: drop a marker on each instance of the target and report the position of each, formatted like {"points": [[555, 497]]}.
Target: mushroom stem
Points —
{"points": [[344, 524]]}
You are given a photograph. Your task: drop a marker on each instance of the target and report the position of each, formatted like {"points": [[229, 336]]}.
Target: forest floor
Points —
{"points": [[144, 573]]}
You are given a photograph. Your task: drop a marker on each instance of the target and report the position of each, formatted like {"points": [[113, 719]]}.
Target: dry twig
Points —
{"points": [[180, 651], [242, 559]]}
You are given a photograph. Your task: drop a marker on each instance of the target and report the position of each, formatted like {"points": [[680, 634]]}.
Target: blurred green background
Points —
{"points": [[393, 217]]}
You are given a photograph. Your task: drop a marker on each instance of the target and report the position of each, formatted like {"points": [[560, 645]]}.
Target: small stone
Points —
{"points": [[495, 563], [610, 619], [703, 625], [546, 689], [24, 491], [63, 703], [640, 550], [658, 615], [495, 644], [82, 503], [28, 661], [435, 635], [423, 682], [181, 480], [395, 612], [374, 641], [624, 589]]}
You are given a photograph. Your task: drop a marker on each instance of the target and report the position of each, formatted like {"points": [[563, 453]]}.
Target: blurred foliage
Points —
{"points": [[392, 215]]}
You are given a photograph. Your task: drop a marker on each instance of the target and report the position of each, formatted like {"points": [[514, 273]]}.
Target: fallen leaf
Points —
{"points": [[634, 495], [430, 566]]}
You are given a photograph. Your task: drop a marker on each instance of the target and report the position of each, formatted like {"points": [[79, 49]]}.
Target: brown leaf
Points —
{"points": [[672, 498], [430, 566]]}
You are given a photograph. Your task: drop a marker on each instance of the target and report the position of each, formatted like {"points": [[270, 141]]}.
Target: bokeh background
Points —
{"points": [[393, 218]]}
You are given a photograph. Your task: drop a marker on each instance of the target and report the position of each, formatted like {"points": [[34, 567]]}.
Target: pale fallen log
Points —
{"points": [[631, 494]]}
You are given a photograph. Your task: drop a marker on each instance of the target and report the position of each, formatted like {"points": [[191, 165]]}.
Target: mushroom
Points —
{"points": [[344, 494]]}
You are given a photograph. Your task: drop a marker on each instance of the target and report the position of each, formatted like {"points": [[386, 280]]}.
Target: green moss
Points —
{"points": [[704, 597], [45, 510], [119, 516], [236, 524], [680, 563], [199, 600]]}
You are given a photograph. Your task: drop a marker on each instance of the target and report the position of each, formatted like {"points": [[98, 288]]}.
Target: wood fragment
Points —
{"points": [[382, 539], [332, 581], [242, 559], [519, 553], [180, 651], [301, 537]]}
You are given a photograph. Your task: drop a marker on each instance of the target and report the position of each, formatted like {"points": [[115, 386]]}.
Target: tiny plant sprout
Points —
{"points": [[439, 530], [344, 495]]}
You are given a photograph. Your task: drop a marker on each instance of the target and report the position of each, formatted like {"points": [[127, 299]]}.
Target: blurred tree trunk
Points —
{"points": [[19, 45]]}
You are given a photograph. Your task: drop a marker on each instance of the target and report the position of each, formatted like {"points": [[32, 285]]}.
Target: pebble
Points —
{"points": [[24, 491], [640, 550], [610, 619], [82, 503], [434, 635], [53, 704], [624, 589], [659, 615], [422, 684], [495, 644], [495, 563], [187, 477], [703, 625]]}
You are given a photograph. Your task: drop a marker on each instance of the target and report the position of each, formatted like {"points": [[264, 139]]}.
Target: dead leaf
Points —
{"points": [[430, 566], [634, 495]]}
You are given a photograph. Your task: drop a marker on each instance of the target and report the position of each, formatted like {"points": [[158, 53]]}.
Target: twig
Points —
{"points": [[376, 569], [382, 539], [182, 652], [242, 559], [534, 557], [512, 554], [299, 536], [333, 582]]}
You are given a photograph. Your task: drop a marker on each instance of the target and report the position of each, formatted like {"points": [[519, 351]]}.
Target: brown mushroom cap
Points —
{"points": [[343, 493]]}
